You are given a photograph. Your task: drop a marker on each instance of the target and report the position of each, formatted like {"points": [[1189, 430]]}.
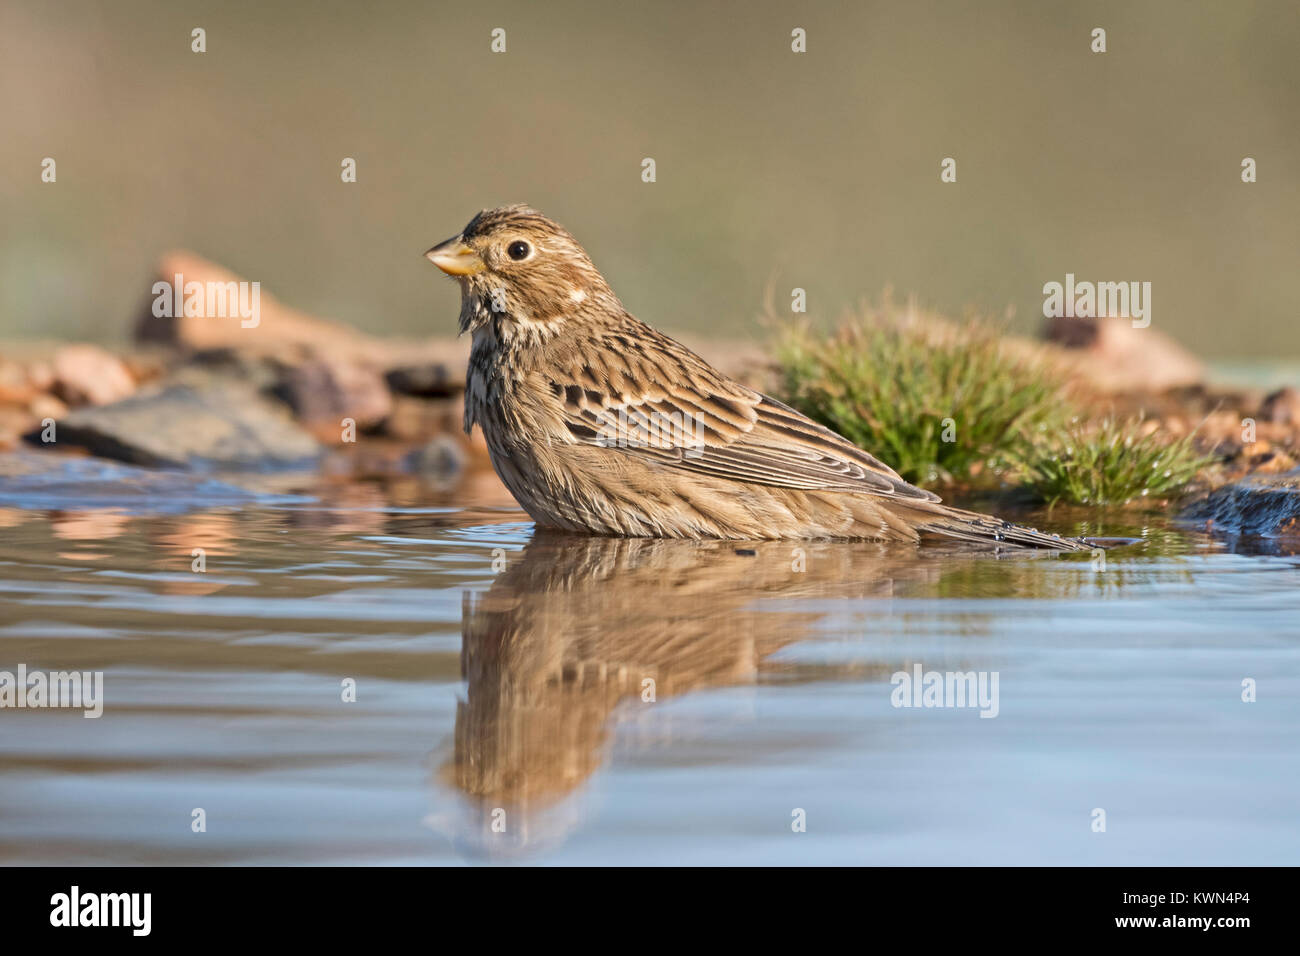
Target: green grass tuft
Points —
{"points": [[1110, 464], [902, 389], [938, 406]]}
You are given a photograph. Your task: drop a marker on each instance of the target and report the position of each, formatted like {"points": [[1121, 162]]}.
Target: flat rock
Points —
{"points": [[183, 426], [1266, 506]]}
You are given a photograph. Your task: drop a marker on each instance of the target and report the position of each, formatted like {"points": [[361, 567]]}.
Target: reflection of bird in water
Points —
{"points": [[575, 626]]}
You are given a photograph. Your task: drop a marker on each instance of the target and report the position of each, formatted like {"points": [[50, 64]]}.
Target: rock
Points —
{"points": [[290, 336], [14, 421], [419, 419], [1282, 407], [146, 365], [1114, 356], [1261, 505], [182, 426], [1222, 426], [214, 367], [15, 384], [429, 380], [40, 374], [270, 324], [1272, 462], [46, 406], [442, 459], [86, 374], [324, 393]]}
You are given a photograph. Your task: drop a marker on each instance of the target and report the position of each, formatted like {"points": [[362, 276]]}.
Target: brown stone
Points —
{"points": [[40, 375], [1281, 407], [14, 422], [275, 325], [47, 406], [1271, 462], [1114, 356], [15, 384], [88, 375], [428, 380], [323, 393], [287, 334], [419, 419]]}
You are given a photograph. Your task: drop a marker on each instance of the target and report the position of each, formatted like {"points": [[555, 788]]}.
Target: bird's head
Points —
{"points": [[521, 273]]}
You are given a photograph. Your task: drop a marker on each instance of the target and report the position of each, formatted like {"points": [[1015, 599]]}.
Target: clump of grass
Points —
{"points": [[938, 403], [1111, 463], [943, 403]]}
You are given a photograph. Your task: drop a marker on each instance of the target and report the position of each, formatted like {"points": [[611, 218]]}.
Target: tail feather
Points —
{"points": [[939, 519]]}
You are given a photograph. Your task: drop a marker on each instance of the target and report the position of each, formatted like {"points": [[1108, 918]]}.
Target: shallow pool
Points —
{"points": [[301, 672]]}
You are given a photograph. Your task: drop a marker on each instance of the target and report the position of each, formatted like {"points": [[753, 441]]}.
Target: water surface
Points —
{"points": [[536, 698]]}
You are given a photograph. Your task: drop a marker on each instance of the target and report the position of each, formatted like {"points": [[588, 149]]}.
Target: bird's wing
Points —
{"points": [[648, 396]]}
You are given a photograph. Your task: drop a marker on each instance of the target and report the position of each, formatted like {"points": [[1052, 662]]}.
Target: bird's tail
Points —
{"points": [[935, 518]]}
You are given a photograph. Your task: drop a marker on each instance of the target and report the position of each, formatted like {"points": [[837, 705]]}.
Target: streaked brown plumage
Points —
{"points": [[596, 422]]}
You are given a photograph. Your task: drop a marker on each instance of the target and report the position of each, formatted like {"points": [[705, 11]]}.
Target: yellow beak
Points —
{"points": [[455, 258]]}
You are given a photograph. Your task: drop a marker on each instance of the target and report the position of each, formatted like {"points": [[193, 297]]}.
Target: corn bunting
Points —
{"points": [[598, 423]]}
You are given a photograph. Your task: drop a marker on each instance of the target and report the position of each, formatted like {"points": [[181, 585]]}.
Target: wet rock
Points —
{"points": [[1113, 355], [428, 380], [323, 393], [1260, 505], [442, 459], [183, 426], [419, 419], [87, 374]]}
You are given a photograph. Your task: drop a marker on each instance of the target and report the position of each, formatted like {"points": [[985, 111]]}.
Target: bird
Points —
{"points": [[598, 423]]}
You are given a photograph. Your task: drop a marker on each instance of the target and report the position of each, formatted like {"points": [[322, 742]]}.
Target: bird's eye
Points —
{"points": [[518, 250]]}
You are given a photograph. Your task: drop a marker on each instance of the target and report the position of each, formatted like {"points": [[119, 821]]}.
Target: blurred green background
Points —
{"points": [[818, 170]]}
